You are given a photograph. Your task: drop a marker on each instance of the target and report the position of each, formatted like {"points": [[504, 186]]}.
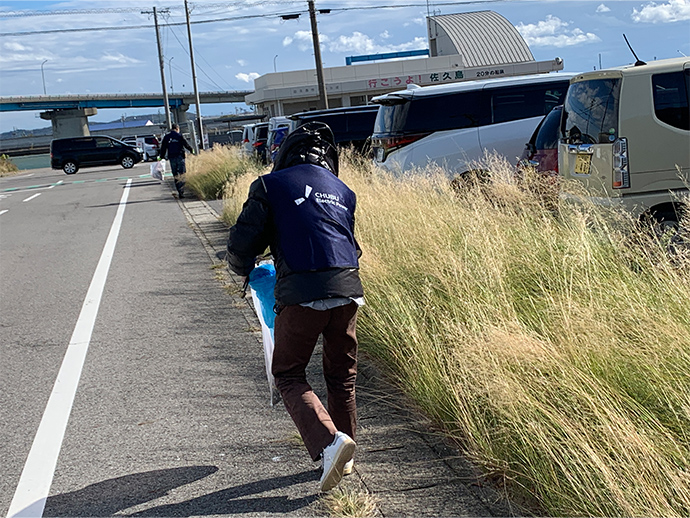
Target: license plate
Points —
{"points": [[583, 163], [379, 154]]}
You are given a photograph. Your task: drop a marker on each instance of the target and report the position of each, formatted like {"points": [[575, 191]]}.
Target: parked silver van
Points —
{"points": [[626, 136], [453, 125]]}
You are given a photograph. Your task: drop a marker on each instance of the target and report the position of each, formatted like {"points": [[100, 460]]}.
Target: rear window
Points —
{"points": [[671, 98], [590, 112], [262, 133]]}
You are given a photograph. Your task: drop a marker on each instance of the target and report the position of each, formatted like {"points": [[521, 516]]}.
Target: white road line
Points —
{"points": [[3, 211], [37, 476], [55, 184], [32, 197]]}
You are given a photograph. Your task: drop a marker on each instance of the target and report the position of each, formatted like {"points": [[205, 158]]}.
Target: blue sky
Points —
{"points": [[254, 40]]}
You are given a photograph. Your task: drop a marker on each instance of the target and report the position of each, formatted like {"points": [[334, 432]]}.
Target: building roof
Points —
{"points": [[482, 38]]}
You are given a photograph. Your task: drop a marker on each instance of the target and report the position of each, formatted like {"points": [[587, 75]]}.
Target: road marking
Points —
{"points": [[62, 182], [32, 197], [37, 476], [3, 211]]}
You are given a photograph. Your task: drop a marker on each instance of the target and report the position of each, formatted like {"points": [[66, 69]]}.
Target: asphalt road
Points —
{"points": [[132, 378], [150, 418]]}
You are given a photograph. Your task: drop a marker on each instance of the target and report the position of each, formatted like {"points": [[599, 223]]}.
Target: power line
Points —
{"points": [[245, 17]]}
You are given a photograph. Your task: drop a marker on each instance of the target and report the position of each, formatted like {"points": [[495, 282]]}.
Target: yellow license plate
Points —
{"points": [[582, 164]]}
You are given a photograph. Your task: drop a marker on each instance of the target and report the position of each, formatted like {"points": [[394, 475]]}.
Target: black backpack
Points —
{"points": [[311, 143]]}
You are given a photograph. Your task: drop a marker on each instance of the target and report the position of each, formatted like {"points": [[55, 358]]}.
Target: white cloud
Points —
{"points": [[14, 46], [247, 78], [242, 62], [554, 32], [119, 58], [673, 11], [303, 40], [416, 21], [362, 44], [384, 35], [603, 9]]}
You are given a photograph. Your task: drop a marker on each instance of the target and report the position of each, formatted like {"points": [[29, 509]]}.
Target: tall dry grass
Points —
{"points": [[7, 167], [209, 172], [551, 341]]}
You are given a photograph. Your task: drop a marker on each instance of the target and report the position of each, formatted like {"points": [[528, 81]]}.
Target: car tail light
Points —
{"points": [[621, 169], [256, 144], [389, 144]]}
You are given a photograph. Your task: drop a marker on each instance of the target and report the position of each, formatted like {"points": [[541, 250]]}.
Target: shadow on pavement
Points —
{"points": [[110, 496], [231, 500]]}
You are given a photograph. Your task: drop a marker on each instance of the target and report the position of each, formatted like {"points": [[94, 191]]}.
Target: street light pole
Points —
{"points": [[274, 63], [43, 77]]}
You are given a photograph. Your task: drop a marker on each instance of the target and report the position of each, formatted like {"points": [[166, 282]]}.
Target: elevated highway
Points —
{"points": [[68, 113], [141, 100]]}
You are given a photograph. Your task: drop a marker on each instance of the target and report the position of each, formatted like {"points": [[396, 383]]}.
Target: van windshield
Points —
{"points": [[590, 112]]}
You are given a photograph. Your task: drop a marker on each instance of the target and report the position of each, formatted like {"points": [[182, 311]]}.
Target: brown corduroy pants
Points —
{"points": [[297, 329]]}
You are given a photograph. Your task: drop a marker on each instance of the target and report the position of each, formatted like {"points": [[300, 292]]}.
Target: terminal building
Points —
{"points": [[462, 47]]}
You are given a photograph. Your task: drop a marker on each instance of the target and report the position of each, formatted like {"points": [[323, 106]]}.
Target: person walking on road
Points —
{"points": [[305, 214], [175, 144]]}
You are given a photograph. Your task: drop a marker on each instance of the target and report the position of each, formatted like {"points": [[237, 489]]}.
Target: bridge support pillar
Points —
{"points": [[180, 114], [70, 122]]}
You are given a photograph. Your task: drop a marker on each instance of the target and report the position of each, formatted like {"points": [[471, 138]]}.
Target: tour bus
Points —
{"points": [[453, 125], [626, 137]]}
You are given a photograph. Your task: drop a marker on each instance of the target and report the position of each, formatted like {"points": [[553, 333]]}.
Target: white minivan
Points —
{"points": [[626, 137], [453, 125]]}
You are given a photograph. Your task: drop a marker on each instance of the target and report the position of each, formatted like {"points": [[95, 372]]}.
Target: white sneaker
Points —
{"points": [[347, 468], [335, 456]]}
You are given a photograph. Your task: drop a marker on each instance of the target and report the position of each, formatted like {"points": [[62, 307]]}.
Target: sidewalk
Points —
{"points": [[401, 459]]}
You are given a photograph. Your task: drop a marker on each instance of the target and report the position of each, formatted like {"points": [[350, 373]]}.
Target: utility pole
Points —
{"points": [[161, 63], [317, 56], [196, 89]]}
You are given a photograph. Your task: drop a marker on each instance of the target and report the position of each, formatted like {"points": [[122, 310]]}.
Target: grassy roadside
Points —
{"points": [[555, 348], [211, 171], [7, 167]]}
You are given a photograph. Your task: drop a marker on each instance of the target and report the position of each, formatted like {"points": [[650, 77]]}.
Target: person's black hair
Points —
{"points": [[311, 143]]}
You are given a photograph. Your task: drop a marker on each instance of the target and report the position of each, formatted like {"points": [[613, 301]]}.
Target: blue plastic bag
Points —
{"points": [[262, 280]]}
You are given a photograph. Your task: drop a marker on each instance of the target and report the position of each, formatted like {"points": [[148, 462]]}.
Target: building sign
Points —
{"points": [[491, 72], [419, 79], [392, 82]]}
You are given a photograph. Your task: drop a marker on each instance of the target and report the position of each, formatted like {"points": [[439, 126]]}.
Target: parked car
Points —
{"points": [[71, 154], [352, 125], [258, 142], [148, 144], [248, 131], [541, 152], [277, 129], [453, 125], [626, 136]]}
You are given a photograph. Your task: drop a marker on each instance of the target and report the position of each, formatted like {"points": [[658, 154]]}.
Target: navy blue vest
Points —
{"points": [[314, 216]]}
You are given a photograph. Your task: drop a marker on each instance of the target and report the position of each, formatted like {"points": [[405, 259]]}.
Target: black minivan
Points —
{"points": [[70, 154]]}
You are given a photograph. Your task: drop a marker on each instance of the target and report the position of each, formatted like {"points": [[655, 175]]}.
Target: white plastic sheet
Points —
{"points": [[268, 342]]}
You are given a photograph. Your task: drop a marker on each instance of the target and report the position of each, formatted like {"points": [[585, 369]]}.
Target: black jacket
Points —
{"points": [[256, 229], [174, 144]]}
